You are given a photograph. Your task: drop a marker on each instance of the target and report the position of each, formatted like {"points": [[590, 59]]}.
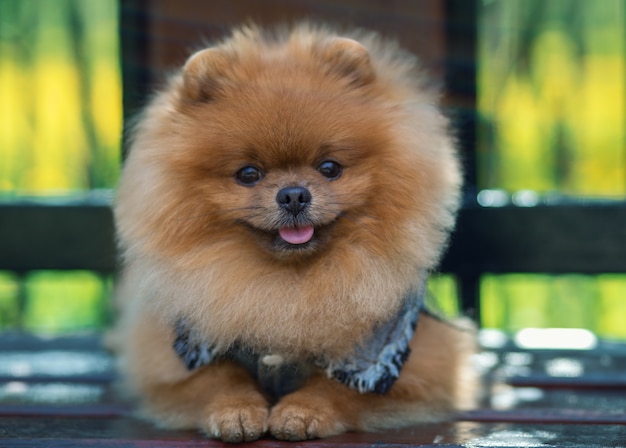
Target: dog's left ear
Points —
{"points": [[204, 73], [348, 58]]}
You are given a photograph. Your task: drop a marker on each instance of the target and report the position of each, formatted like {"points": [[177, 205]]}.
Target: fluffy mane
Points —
{"points": [[180, 234]]}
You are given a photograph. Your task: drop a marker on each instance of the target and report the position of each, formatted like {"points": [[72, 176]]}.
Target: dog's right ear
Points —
{"points": [[203, 74], [350, 59]]}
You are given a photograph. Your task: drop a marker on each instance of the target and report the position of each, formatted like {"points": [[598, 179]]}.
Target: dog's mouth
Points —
{"points": [[297, 235], [300, 239], [291, 240]]}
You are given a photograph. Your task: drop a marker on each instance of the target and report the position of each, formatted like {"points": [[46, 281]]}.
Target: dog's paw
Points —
{"points": [[243, 423], [297, 422]]}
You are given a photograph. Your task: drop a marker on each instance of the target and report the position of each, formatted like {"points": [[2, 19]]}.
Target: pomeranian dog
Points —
{"points": [[284, 199]]}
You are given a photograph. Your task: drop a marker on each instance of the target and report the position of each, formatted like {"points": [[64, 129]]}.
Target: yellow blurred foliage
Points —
{"points": [[52, 93], [556, 115], [106, 104]]}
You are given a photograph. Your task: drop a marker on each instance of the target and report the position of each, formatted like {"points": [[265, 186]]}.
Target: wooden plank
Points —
{"points": [[514, 416], [64, 411], [548, 416], [602, 368], [608, 381], [18, 341], [67, 235], [560, 238], [129, 432], [565, 238]]}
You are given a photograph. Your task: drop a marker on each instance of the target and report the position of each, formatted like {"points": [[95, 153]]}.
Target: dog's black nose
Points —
{"points": [[294, 199]]}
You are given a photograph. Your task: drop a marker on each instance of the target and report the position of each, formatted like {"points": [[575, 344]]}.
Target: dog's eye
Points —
{"points": [[330, 169], [249, 175]]}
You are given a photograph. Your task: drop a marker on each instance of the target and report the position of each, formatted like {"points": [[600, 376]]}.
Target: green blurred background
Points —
{"points": [[552, 117]]}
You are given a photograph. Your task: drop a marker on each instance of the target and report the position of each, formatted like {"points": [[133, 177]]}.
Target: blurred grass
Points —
{"points": [[552, 118], [518, 301], [53, 302]]}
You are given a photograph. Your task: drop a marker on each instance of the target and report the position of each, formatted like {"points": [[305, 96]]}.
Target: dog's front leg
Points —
{"points": [[221, 399], [321, 408], [435, 380]]}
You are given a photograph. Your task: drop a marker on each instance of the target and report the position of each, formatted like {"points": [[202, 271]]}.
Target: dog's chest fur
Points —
{"points": [[373, 366]]}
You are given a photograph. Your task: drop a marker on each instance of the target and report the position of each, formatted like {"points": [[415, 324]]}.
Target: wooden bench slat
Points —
{"points": [[98, 410], [560, 238], [83, 432], [548, 416]]}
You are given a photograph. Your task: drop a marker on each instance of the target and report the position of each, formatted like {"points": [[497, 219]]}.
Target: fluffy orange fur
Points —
{"points": [[198, 243]]}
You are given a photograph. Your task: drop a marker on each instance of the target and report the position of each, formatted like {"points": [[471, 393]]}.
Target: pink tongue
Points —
{"points": [[296, 235]]}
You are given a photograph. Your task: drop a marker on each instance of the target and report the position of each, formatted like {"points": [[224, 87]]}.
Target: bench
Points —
{"points": [[60, 391]]}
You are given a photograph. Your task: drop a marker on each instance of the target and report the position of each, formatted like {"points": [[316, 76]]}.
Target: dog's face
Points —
{"points": [[294, 153], [294, 176], [289, 166]]}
